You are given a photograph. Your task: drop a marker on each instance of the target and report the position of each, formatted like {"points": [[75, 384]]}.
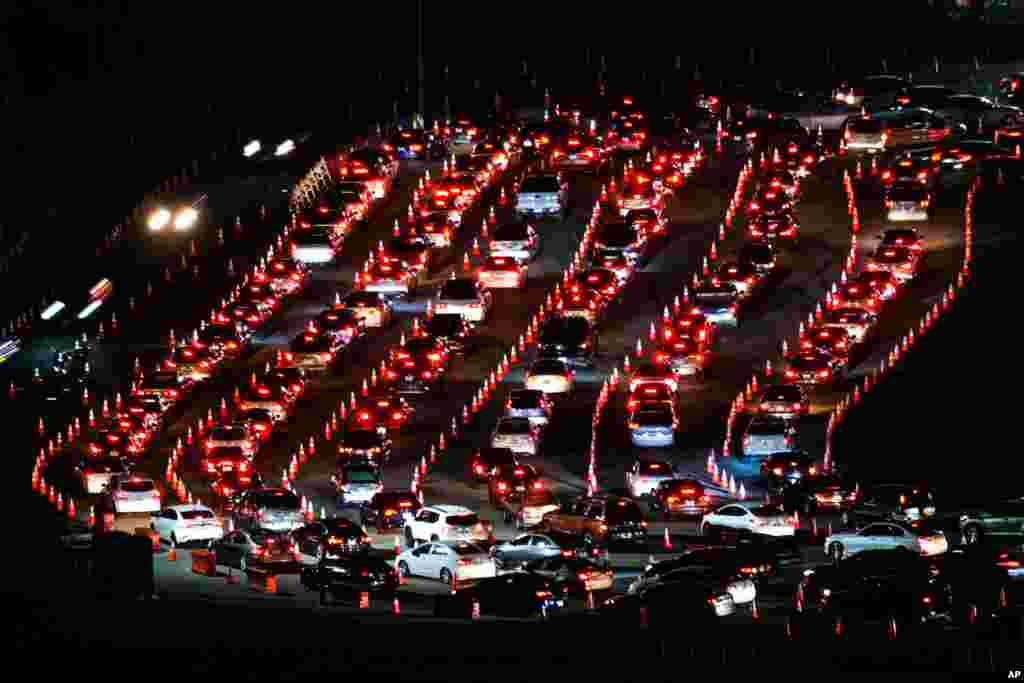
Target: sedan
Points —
{"points": [[449, 562], [526, 548], [345, 576], [243, 549], [551, 377], [184, 523], [576, 575], [886, 536], [517, 434], [747, 517]]}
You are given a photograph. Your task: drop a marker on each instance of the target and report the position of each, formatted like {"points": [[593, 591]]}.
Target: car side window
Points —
{"points": [[874, 530], [440, 550], [539, 541], [525, 540], [422, 550], [423, 516], [896, 531], [169, 514]]}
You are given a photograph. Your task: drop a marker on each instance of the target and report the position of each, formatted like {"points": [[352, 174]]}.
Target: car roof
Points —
{"points": [[450, 509], [188, 507]]}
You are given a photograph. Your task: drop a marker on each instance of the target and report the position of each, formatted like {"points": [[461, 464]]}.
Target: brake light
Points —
{"points": [[821, 373]]}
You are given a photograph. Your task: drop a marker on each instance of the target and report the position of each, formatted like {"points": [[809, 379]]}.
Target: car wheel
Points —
{"points": [[434, 538], [174, 538], [972, 534], [847, 520], [809, 508], [446, 577], [319, 554], [242, 566], [409, 539], [403, 569], [836, 552], [709, 531]]}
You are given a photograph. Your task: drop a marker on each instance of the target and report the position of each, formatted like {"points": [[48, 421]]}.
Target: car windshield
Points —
{"points": [[539, 185], [459, 290], [463, 519], [653, 418], [511, 232], [765, 511], [362, 439], [228, 434], [766, 427], [786, 394], [277, 500], [196, 514], [547, 367], [514, 426], [910, 193], [444, 324], [361, 475], [312, 237], [466, 548], [137, 485], [106, 465]]}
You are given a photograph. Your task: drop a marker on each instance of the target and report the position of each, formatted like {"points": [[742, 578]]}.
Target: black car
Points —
{"points": [[900, 502], [344, 576], [759, 254], [572, 340], [55, 387], [389, 510], [512, 482], [827, 493], [487, 460], [343, 325], [876, 585], [415, 376], [661, 607], [781, 469], [330, 538], [519, 594], [730, 562], [452, 329], [231, 339], [291, 379], [364, 446]]}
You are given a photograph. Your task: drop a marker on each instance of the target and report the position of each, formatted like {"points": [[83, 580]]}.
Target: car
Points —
{"points": [[615, 261], [554, 378], [380, 409], [389, 510], [746, 518], [704, 603], [414, 253], [739, 567], [578, 151], [390, 279], [516, 433], [571, 339], [288, 275], [766, 435], [809, 367], [857, 322], [423, 348], [542, 195], [578, 302], [1010, 131], [529, 510], [107, 443], [602, 280], [718, 302], [132, 429], [446, 523], [435, 227], [519, 594], [230, 484], [220, 459], [228, 436], [465, 296], [599, 519], [372, 306], [357, 484], [787, 467], [646, 475], [416, 145], [833, 341], [907, 202], [638, 193], [493, 151], [908, 169], [502, 272], [328, 539], [343, 325], [256, 548], [998, 518], [129, 493], [532, 404], [417, 375], [453, 331], [162, 386], [150, 409], [576, 574], [976, 113], [742, 276], [289, 379], [316, 245], [192, 364], [223, 336], [828, 492], [891, 501], [347, 575], [685, 357], [272, 509], [772, 229], [327, 218], [512, 482], [916, 537], [648, 372], [902, 237], [518, 241], [666, 176], [888, 130], [650, 395], [618, 236], [186, 523], [760, 255], [262, 396], [653, 426], [376, 167], [254, 315], [627, 136], [364, 446], [771, 203], [786, 401], [311, 350], [95, 472], [927, 96], [883, 283], [680, 497], [856, 296], [900, 261]]}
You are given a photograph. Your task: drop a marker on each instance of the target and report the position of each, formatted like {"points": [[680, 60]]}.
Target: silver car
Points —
{"points": [[531, 404], [525, 548], [545, 195], [767, 435]]}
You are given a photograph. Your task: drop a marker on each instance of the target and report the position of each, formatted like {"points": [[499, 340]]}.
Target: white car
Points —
{"points": [[130, 494], [358, 484], [886, 536], [645, 476], [231, 436], [653, 426], [465, 296], [445, 523], [768, 434], [459, 560], [856, 321], [518, 241], [184, 523], [374, 309], [517, 434], [97, 472], [747, 516], [502, 272], [551, 376]]}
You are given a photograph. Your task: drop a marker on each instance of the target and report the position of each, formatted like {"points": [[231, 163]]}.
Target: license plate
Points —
{"points": [[808, 375], [410, 378], [572, 157]]}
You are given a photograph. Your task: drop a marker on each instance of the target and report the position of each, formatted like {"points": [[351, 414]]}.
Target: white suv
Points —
{"points": [[445, 523]]}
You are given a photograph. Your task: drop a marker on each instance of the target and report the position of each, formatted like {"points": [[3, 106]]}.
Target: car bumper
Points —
{"points": [[314, 256], [280, 525], [728, 319], [548, 388], [505, 282], [895, 215], [689, 507], [135, 506], [517, 447], [211, 533], [357, 496], [519, 255], [539, 210], [652, 440], [388, 288]]}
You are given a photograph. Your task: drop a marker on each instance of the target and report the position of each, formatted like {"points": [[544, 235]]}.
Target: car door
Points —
{"points": [[419, 559], [899, 538], [593, 519], [441, 557], [871, 537], [519, 549], [232, 548], [546, 547], [166, 522], [313, 536], [733, 517]]}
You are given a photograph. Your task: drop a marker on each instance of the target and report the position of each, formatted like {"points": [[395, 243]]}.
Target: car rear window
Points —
{"points": [[767, 427], [137, 485], [542, 185], [511, 232], [906, 194], [459, 289], [653, 418], [466, 548], [791, 394], [312, 237], [228, 434], [196, 514], [866, 126], [623, 512], [361, 475], [277, 500], [547, 368], [766, 511], [525, 400], [514, 426], [463, 520], [443, 324]]}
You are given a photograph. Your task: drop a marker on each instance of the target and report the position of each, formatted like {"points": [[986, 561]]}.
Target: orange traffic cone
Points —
{"points": [[465, 262], [668, 540], [364, 600], [172, 554], [396, 608], [475, 614]]}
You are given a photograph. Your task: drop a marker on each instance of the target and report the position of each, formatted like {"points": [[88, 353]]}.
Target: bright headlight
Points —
{"points": [[284, 148], [159, 219], [186, 218]]}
